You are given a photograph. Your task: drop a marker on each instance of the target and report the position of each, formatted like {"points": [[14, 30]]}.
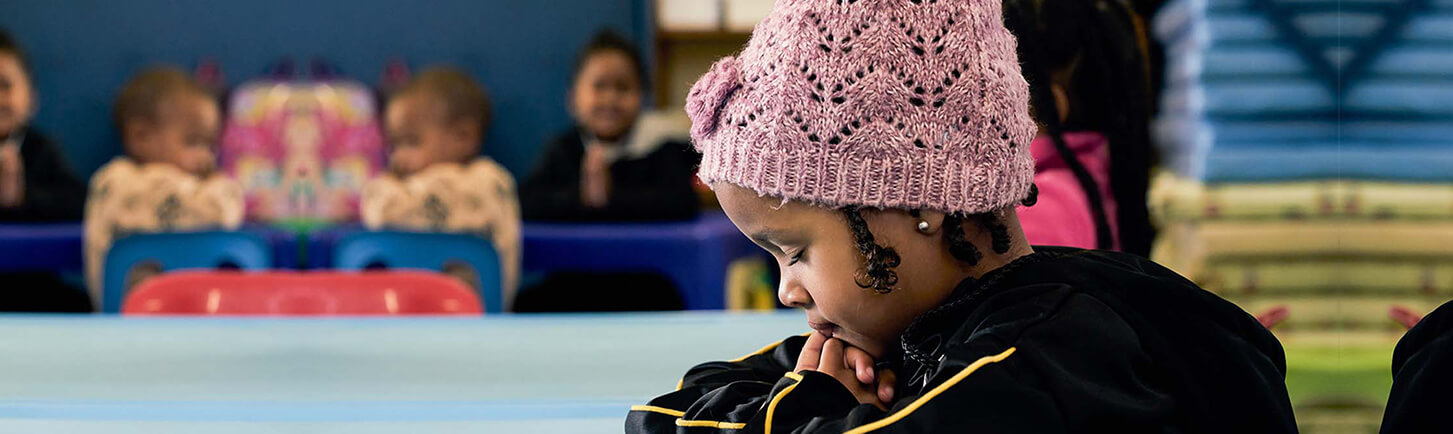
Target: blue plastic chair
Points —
{"points": [[180, 250], [427, 251]]}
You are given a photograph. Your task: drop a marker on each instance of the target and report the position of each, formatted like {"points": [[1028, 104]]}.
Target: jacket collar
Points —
{"points": [[922, 341]]}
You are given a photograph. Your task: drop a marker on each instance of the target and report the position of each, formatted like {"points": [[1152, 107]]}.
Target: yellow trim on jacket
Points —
{"points": [[772, 408], [932, 393], [655, 409], [709, 424], [763, 350]]}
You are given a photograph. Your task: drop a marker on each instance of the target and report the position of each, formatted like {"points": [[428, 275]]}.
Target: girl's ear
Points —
{"points": [[138, 138], [929, 222], [570, 101], [469, 134], [134, 132], [466, 131], [34, 102]]}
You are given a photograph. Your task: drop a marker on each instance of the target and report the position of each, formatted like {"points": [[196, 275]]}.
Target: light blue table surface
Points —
{"points": [[507, 373]]}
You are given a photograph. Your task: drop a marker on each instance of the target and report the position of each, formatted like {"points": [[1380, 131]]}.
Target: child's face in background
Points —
{"points": [[421, 134], [183, 133], [819, 260], [607, 95], [15, 94]]}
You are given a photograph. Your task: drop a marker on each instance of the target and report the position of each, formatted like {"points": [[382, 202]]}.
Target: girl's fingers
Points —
{"points": [[886, 381], [861, 363], [811, 353], [832, 357]]}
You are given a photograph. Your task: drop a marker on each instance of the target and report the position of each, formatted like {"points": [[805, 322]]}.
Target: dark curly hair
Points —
{"points": [[879, 260]]}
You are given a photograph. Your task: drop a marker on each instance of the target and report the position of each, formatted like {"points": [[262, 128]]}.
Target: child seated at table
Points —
{"points": [[890, 203], [607, 166], [438, 180], [166, 181], [36, 184]]}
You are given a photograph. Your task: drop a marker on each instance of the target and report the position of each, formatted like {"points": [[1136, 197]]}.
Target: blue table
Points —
{"points": [[506, 373], [694, 254], [40, 247]]}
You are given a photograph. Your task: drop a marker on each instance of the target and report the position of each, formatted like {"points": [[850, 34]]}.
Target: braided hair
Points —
{"points": [[1100, 41], [879, 260]]}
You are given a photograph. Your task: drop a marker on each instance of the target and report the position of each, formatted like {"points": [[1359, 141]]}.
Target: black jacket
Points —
{"points": [[654, 187], [52, 190], [1422, 377], [1064, 340]]}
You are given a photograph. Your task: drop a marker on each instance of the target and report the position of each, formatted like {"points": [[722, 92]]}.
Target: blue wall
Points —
{"points": [[522, 50]]}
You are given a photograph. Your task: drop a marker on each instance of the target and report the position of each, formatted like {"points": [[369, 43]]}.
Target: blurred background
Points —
{"points": [[1293, 156]]}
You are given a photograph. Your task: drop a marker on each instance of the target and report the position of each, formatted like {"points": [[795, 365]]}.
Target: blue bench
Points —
{"points": [[424, 250], [694, 255], [171, 251]]}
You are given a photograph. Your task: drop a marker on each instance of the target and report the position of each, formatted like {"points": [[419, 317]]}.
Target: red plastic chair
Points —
{"points": [[386, 293]]}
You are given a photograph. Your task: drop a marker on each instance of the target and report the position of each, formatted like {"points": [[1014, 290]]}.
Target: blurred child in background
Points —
{"points": [[605, 167], [169, 126], [609, 168], [439, 182], [1090, 94], [36, 184]]}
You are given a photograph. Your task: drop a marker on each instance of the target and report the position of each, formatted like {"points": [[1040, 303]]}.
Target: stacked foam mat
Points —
{"points": [[1308, 153]]}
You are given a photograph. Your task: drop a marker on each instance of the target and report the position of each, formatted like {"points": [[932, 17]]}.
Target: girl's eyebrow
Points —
{"points": [[773, 236]]}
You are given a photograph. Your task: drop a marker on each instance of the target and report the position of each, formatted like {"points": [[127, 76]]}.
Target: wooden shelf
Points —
{"points": [[682, 56]]}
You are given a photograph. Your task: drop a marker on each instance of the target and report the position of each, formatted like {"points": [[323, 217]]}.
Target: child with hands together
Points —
{"points": [[879, 151]]}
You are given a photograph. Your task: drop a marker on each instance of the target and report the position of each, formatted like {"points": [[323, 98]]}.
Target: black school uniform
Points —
{"points": [[52, 193], [1063, 340], [1422, 369], [651, 185], [52, 190], [655, 186]]}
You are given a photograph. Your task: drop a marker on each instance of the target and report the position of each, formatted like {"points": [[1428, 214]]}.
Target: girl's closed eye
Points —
{"points": [[796, 257]]}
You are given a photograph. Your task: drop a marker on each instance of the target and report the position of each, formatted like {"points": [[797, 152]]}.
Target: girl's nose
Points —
{"points": [[792, 294]]}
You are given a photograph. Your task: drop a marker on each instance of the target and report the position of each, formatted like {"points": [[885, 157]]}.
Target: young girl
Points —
{"points": [[608, 167], [1086, 75], [877, 149], [36, 184]]}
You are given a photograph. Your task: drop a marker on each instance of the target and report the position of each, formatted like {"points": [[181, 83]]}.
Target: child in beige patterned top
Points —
{"points": [[439, 182], [169, 125]]}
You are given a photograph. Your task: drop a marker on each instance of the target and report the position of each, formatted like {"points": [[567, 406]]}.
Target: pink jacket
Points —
{"points": [[1062, 216]]}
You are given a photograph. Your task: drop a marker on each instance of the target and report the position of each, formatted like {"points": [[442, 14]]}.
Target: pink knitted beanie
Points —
{"points": [[909, 104]]}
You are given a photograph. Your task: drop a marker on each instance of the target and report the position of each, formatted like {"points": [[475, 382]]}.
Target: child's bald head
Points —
{"points": [[440, 116], [164, 116]]}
